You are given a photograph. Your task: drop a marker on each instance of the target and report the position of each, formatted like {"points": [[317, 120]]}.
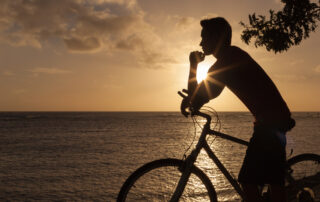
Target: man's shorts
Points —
{"points": [[265, 159]]}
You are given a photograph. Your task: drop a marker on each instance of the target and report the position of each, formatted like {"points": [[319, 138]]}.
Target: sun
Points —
{"points": [[203, 68]]}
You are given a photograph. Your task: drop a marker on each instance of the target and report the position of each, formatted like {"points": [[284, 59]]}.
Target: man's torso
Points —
{"points": [[249, 82]]}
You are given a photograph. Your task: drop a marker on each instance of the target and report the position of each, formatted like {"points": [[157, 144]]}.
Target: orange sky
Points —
{"points": [[127, 55]]}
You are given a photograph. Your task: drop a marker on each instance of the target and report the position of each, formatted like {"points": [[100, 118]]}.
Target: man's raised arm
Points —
{"points": [[195, 58]]}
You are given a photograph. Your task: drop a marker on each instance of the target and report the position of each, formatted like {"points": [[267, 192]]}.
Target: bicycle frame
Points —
{"points": [[202, 144], [297, 179]]}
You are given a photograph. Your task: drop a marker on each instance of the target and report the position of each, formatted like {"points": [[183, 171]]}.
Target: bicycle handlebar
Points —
{"points": [[198, 113]]}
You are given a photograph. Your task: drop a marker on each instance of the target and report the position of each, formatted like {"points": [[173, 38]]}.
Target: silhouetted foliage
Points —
{"points": [[284, 28]]}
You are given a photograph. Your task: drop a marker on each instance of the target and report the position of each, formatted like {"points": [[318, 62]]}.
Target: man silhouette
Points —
{"points": [[265, 158]]}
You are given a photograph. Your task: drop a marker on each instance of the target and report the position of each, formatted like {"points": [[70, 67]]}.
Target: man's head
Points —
{"points": [[216, 34]]}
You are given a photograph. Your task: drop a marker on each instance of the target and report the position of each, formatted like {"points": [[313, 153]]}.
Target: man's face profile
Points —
{"points": [[207, 42]]}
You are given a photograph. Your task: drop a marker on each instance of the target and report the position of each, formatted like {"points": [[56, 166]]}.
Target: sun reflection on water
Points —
{"points": [[222, 149]]}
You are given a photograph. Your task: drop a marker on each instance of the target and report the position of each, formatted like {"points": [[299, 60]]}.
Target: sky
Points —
{"points": [[131, 55]]}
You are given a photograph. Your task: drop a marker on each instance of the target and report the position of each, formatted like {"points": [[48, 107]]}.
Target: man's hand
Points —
{"points": [[195, 58], [193, 107], [184, 105], [185, 102]]}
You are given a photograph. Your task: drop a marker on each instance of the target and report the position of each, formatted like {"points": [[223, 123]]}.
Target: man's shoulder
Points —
{"points": [[229, 56], [234, 54], [235, 50]]}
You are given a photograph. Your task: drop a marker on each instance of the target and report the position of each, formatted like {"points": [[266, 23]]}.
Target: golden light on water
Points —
{"points": [[203, 68]]}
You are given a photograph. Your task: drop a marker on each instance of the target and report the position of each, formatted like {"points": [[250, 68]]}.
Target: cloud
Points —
{"points": [[150, 50], [187, 22], [132, 42], [43, 70], [184, 22], [84, 26], [156, 60], [86, 44], [210, 15]]}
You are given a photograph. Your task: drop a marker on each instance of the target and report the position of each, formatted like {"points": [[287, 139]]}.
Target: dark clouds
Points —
{"points": [[83, 26], [132, 42], [84, 44]]}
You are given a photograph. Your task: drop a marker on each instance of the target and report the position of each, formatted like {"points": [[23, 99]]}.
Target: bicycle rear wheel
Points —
{"points": [[303, 172], [157, 180]]}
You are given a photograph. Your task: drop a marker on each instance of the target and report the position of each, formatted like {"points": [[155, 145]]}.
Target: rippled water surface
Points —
{"points": [[87, 156]]}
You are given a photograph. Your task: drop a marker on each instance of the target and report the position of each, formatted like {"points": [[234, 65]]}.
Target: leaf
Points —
{"points": [[284, 28]]}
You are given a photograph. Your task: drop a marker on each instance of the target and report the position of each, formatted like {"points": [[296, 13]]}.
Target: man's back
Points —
{"points": [[248, 81]]}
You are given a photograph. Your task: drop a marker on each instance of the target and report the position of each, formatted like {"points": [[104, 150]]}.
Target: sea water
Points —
{"points": [[86, 156]]}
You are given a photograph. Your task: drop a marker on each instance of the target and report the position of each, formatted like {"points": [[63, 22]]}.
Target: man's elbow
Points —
{"points": [[215, 93]]}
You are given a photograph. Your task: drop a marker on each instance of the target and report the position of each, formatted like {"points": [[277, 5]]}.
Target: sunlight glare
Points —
{"points": [[203, 68]]}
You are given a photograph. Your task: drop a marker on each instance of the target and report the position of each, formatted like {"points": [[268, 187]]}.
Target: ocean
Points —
{"points": [[86, 156]]}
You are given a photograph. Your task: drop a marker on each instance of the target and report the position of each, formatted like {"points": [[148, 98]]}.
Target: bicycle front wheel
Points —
{"points": [[157, 180], [303, 174]]}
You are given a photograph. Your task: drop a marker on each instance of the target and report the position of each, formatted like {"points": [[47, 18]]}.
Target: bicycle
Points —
{"points": [[189, 183]]}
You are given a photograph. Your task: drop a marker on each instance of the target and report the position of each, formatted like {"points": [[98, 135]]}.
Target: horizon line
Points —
{"points": [[133, 111]]}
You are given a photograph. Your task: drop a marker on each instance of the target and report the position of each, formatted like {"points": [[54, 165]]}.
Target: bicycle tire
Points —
{"points": [[154, 169], [303, 172]]}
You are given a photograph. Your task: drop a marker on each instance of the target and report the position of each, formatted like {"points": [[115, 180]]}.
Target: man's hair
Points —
{"points": [[218, 27]]}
